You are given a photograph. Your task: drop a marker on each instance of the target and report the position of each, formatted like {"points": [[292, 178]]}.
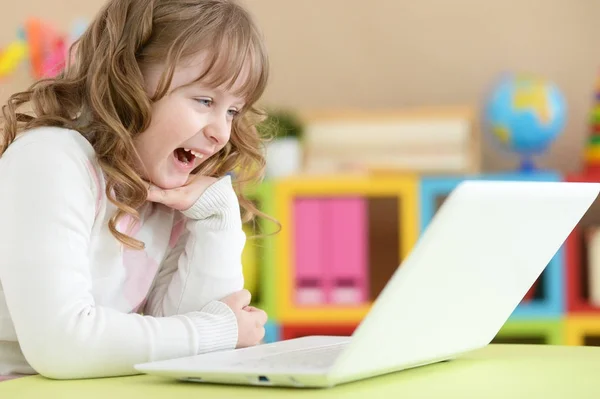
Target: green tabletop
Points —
{"points": [[497, 371]]}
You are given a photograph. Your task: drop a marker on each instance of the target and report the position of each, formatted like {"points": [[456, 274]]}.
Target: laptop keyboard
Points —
{"points": [[321, 357]]}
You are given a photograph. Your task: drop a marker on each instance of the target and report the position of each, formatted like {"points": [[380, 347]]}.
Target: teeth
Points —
{"points": [[196, 154]]}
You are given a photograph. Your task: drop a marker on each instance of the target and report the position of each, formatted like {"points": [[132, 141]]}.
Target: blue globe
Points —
{"points": [[525, 114]]}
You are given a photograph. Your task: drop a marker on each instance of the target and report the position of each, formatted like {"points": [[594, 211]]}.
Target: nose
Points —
{"points": [[218, 131]]}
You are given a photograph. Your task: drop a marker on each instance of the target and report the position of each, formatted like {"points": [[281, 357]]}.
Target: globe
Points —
{"points": [[525, 114]]}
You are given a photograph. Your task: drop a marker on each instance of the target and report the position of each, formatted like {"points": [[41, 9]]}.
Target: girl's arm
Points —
{"points": [[205, 263], [47, 210]]}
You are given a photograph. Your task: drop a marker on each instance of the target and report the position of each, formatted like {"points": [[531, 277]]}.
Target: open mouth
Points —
{"points": [[186, 156]]}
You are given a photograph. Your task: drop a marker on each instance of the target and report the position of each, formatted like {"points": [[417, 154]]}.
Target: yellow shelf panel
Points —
{"points": [[405, 187], [578, 327]]}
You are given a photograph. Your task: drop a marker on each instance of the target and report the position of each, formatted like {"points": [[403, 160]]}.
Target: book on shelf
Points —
{"points": [[433, 140]]}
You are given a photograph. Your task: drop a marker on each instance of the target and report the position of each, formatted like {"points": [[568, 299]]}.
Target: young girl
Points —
{"points": [[121, 232]]}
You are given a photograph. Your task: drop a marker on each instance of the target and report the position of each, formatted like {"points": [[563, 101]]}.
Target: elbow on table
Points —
{"points": [[71, 359], [62, 365]]}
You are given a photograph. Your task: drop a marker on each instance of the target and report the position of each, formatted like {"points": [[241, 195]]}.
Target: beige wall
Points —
{"points": [[393, 53]]}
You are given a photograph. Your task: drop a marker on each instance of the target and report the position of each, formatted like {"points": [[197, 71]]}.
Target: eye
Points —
{"points": [[207, 102], [233, 113]]}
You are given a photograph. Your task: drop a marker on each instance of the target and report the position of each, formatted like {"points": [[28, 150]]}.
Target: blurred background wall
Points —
{"points": [[394, 53]]}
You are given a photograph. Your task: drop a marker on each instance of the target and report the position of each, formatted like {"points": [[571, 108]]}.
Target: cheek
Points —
{"points": [[150, 144], [163, 127], [177, 122], [163, 119]]}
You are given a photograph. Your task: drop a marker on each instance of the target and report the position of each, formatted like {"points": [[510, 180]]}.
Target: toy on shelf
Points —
{"points": [[592, 148], [42, 46], [525, 114], [11, 57], [332, 262], [546, 299]]}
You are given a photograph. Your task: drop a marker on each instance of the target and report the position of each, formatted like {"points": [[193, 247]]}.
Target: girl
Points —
{"points": [[121, 233]]}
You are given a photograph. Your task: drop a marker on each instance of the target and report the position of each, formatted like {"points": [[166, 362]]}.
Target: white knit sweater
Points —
{"points": [[72, 297]]}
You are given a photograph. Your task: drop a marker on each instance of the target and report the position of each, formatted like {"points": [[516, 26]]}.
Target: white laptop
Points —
{"points": [[472, 266]]}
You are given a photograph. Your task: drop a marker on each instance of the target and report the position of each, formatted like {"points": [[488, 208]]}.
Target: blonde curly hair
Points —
{"points": [[101, 91]]}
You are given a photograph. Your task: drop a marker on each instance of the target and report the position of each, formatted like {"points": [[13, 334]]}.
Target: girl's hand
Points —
{"points": [[181, 198], [251, 321]]}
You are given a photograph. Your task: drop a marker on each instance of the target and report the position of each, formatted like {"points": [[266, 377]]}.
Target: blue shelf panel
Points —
{"points": [[272, 332]]}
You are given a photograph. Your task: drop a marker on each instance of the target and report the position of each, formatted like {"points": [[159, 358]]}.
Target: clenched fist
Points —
{"points": [[251, 321]]}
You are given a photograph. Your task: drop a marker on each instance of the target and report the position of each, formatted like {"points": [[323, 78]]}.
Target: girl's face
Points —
{"points": [[188, 125]]}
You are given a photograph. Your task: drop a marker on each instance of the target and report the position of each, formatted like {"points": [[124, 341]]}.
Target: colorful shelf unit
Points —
{"points": [[583, 258], [329, 241], [258, 256], [543, 332], [582, 330], [547, 298], [370, 224]]}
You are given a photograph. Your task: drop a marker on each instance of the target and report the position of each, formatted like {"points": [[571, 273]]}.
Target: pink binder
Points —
{"points": [[347, 235], [309, 251]]}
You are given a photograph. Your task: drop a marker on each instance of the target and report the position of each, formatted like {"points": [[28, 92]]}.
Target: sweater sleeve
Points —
{"points": [[47, 212], [205, 264]]}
